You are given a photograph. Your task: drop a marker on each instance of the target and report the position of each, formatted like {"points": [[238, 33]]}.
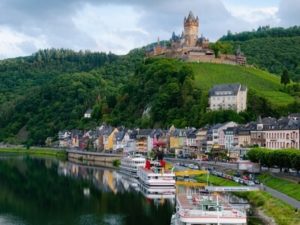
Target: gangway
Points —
{"points": [[184, 173]]}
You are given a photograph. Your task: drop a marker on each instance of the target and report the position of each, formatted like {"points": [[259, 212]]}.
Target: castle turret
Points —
{"points": [[191, 26]]}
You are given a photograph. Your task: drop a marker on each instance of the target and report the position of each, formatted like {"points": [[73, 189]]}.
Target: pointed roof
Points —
{"points": [[191, 16]]}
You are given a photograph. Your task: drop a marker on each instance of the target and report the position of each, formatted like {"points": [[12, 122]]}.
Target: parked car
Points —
{"points": [[250, 183], [245, 177]]}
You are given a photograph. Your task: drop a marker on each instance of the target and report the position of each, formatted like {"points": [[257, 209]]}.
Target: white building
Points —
{"points": [[88, 114], [228, 97]]}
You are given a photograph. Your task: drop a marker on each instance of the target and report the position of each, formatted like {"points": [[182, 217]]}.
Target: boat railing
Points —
{"points": [[201, 213]]}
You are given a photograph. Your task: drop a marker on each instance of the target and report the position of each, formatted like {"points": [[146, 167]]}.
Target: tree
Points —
{"points": [[216, 47], [285, 79]]}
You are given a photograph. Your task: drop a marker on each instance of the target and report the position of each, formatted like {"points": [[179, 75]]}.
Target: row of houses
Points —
{"points": [[267, 132]]}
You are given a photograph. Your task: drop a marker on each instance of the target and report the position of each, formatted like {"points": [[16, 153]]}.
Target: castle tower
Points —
{"points": [[191, 26]]}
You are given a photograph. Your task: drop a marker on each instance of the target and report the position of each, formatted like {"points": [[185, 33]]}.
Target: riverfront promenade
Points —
{"points": [[221, 165]]}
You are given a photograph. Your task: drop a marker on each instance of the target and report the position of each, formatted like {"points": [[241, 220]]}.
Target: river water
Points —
{"points": [[35, 191]]}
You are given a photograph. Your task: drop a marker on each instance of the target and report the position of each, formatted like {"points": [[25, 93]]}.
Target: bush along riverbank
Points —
{"points": [[264, 204], [36, 152]]}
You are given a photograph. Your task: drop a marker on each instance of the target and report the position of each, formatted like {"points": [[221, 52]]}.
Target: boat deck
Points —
{"points": [[158, 171], [192, 211]]}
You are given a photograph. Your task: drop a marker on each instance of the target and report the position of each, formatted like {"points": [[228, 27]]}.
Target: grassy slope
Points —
{"points": [[265, 84], [287, 187], [282, 213], [216, 180], [34, 151]]}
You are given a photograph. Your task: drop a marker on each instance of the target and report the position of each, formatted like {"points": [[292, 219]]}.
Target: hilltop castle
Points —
{"points": [[190, 47]]}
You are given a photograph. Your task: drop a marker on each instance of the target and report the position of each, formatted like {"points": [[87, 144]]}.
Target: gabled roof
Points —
{"points": [[89, 111], [231, 129], [231, 88], [191, 133], [284, 123], [178, 133], [143, 132], [120, 135], [217, 126], [157, 133]]}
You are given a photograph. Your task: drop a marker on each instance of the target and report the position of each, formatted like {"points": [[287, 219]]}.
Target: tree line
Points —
{"points": [[282, 159], [262, 32]]}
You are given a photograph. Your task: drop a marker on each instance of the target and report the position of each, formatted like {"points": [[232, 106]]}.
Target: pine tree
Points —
{"points": [[285, 79]]}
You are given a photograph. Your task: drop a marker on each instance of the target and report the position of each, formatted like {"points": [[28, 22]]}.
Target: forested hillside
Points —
{"points": [[273, 49], [51, 90]]}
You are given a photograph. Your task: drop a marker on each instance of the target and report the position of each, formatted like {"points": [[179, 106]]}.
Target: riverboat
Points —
{"points": [[158, 192], [130, 164], [156, 176], [206, 209]]}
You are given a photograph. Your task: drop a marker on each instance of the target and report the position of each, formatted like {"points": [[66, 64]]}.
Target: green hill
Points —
{"points": [[263, 83], [273, 49], [51, 90]]}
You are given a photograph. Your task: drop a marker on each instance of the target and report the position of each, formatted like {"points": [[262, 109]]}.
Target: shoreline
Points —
{"points": [[35, 151]]}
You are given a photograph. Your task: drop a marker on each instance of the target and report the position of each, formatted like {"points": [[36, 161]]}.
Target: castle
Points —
{"points": [[190, 47]]}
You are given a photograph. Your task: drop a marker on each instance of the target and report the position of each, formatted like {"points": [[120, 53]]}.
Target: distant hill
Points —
{"points": [[273, 49], [50, 91]]}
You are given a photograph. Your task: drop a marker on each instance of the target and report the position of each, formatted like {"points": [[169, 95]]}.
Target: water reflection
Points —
{"points": [[10, 220], [47, 191]]}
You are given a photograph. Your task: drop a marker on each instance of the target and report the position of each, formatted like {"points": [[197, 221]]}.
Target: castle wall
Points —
{"points": [[208, 58]]}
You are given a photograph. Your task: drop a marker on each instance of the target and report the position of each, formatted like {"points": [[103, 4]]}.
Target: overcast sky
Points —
{"points": [[121, 25]]}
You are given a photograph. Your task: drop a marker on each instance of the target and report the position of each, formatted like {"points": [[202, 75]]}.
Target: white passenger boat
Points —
{"points": [[130, 164], [206, 209], [158, 192], [156, 176]]}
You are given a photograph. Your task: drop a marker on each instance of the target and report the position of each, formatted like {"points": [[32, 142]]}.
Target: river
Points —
{"points": [[47, 191]]}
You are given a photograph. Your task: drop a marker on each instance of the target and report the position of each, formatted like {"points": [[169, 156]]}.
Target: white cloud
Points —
{"points": [[113, 28], [255, 15], [13, 43]]}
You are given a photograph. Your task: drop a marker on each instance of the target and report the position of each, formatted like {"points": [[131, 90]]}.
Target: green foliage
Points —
{"points": [[36, 152], [216, 47], [214, 180], [163, 87], [273, 49], [116, 163], [221, 47], [285, 158], [51, 90], [282, 212], [285, 79], [262, 32]]}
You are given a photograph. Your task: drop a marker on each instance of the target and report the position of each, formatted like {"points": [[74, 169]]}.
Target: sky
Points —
{"points": [[121, 25]]}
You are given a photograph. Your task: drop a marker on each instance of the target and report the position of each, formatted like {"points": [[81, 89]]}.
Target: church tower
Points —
{"points": [[191, 26]]}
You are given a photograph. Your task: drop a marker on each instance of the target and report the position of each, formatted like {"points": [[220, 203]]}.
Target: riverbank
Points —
{"points": [[35, 151], [289, 188], [282, 213]]}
